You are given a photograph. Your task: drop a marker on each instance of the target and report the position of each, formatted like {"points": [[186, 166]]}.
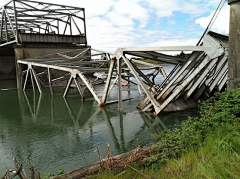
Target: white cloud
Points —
{"points": [[129, 11], [133, 23], [175, 42], [164, 8], [172, 22], [221, 25]]}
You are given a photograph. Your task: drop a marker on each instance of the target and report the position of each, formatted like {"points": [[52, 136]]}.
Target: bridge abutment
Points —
{"points": [[7, 64]]}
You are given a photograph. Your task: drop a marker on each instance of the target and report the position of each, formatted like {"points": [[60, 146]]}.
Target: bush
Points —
{"points": [[220, 111]]}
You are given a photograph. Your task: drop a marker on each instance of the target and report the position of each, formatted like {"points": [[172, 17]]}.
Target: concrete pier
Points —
{"points": [[234, 45], [7, 64]]}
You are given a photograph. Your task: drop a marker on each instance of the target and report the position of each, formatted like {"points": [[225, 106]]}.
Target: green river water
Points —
{"points": [[47, 131]]}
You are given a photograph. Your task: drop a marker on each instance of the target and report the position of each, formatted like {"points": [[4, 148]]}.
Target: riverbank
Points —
{"points": [[204, 147]]}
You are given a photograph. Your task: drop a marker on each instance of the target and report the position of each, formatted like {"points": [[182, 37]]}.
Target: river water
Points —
{"points": [[47, 131]]}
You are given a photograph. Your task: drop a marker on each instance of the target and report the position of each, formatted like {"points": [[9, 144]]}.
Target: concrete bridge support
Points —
{"points": [[234, 45], [7, 64]]}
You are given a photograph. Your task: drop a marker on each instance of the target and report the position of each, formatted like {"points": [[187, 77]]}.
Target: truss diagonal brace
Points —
{"points": [[90, 87], [110, 72], [141, 83]]}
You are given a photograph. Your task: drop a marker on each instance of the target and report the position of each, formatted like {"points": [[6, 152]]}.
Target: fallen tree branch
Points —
{"points": [[96, 167], [157, 157]]}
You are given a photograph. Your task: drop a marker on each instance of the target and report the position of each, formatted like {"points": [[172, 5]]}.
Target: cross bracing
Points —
{"points": [[26, 21]]}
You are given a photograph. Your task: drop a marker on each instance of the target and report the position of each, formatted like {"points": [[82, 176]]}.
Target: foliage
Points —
{"points": [[183, 55], [207, 146], [222, 110], [50, 175], [215, 158]]}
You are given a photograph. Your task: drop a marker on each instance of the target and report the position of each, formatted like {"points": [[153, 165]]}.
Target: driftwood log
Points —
{"points": [[119, 161], [18, 171], [157, 157], [116, 161]]}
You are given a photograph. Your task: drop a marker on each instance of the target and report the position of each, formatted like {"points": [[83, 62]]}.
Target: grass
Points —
{"points": [[217, 157], [202, 147], [207, 146]]}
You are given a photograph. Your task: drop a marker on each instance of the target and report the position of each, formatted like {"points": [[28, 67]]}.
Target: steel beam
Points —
{"points": [[168, 77], [200, 78], [111, 87], [223, 82], [38, 2], [147, 92], [193, 59], [107, 85], [36, 80], [90, 87], [1, 26], [85, 31], [26, 78], [6, 27], [78, 87], [50, 80], [29, 18], [119, 67], [185, 82], [218, 77], [67, 87], [142, 75], [32, 80]]}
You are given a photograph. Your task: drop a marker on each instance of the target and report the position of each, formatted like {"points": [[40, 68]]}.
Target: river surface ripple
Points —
{"points": [[47, 131]]}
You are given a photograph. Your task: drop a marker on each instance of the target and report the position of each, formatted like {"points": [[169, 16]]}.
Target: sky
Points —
{"points": [[147, 23]]}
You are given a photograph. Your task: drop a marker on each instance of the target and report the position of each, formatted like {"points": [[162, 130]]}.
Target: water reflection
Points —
{"points": [[49, 131], [154, 123], [30, 111]]}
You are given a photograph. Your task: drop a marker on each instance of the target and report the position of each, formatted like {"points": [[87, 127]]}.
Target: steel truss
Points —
{"points": [[203, 73], [33, 21], [77, 66], [192, 79], [74, 64]]}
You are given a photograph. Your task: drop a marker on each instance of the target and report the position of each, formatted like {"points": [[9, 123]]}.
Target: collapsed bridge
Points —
{"points": [[48, 42], [192, 79]]}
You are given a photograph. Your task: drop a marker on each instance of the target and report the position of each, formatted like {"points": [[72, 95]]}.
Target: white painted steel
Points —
{"points": [[37, 81], [185, 82], [182, 72], [106, 89], [67, 87], [89, 86], [200, 78], [145, 89], [119, 67]]}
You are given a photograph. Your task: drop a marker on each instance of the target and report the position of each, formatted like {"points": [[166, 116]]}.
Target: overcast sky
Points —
{"points": [[133, 23]]}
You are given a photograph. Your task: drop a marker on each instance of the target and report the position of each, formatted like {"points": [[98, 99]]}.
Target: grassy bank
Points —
{"points": [[204, 147]]}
